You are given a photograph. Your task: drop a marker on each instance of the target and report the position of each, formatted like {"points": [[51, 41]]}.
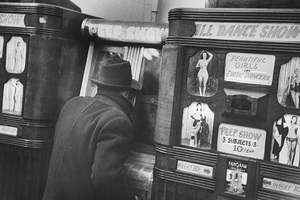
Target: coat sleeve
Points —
{"points": [[108, 171]]}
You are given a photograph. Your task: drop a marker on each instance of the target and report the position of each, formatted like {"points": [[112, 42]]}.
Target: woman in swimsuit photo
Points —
{"points": [[205, 58], [197, 117], [295, 87], [292, 139]]}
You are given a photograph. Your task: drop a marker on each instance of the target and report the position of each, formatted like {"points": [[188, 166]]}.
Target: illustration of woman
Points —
{"points": [[205, 58], [18, 97], [197, 125], [18, 58], [295, 87], [292, 139]]}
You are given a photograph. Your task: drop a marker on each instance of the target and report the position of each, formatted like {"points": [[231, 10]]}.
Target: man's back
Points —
{"points": [[91, 145]]}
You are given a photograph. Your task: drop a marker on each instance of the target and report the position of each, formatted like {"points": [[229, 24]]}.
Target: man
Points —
{"points": [[92, 139]]}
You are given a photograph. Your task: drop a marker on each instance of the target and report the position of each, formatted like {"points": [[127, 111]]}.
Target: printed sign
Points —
{"points": [[266, 32], [8, 130], [281, 186], [192, 168], [249, 68], [241, 140], [236, 177], [12, 20], [125, 32]]}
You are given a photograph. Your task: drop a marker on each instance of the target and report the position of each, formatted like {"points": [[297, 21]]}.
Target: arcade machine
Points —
{"points": [[228, 118], [42, 60], [140, 43]]}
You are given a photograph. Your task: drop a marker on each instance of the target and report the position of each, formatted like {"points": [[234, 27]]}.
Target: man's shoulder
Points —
{"points": [[80, 99], [80, 103], [77, 103]]}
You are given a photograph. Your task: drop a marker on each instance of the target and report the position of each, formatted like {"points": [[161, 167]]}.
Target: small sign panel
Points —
{"points": [[135, 32], [12, 20], [281, 186], [241, 140], [193, 168], [8, 130], [249, 68]]}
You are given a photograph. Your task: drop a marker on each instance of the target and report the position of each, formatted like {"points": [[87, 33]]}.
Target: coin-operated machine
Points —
{"points": [[140, 43], [228, 118], [42, 60]]}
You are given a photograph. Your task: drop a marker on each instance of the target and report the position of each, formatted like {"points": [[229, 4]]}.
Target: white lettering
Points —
{"points": [[15, 20]]}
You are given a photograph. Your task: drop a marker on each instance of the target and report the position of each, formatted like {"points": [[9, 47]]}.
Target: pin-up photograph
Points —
{"points": [[288, 93], [201, 81], [15, 55], [285, 142], [12, 97], [197, 126]]}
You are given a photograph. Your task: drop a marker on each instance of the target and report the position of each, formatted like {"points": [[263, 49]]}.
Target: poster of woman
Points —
{"points": [[16, 55], [285, 143], [202, 75], [197, 126], [201, 80], [288, 93], [12, 101]]}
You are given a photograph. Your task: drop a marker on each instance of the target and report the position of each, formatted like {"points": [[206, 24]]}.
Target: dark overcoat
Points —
{"points": [[91, 144]]}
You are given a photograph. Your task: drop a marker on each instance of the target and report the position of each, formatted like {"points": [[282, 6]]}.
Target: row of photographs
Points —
{"points": [[249, 68], [197, 130], [14, 51], [198, 119]]}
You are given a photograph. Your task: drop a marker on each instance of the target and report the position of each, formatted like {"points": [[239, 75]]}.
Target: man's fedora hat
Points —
{"points": [[115, 72]]}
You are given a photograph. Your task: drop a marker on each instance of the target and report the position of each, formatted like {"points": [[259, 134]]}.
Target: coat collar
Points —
{"points": [[118, 100]]}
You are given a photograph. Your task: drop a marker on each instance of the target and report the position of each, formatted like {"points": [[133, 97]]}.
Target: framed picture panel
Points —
{"points": [[228, 96]]}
